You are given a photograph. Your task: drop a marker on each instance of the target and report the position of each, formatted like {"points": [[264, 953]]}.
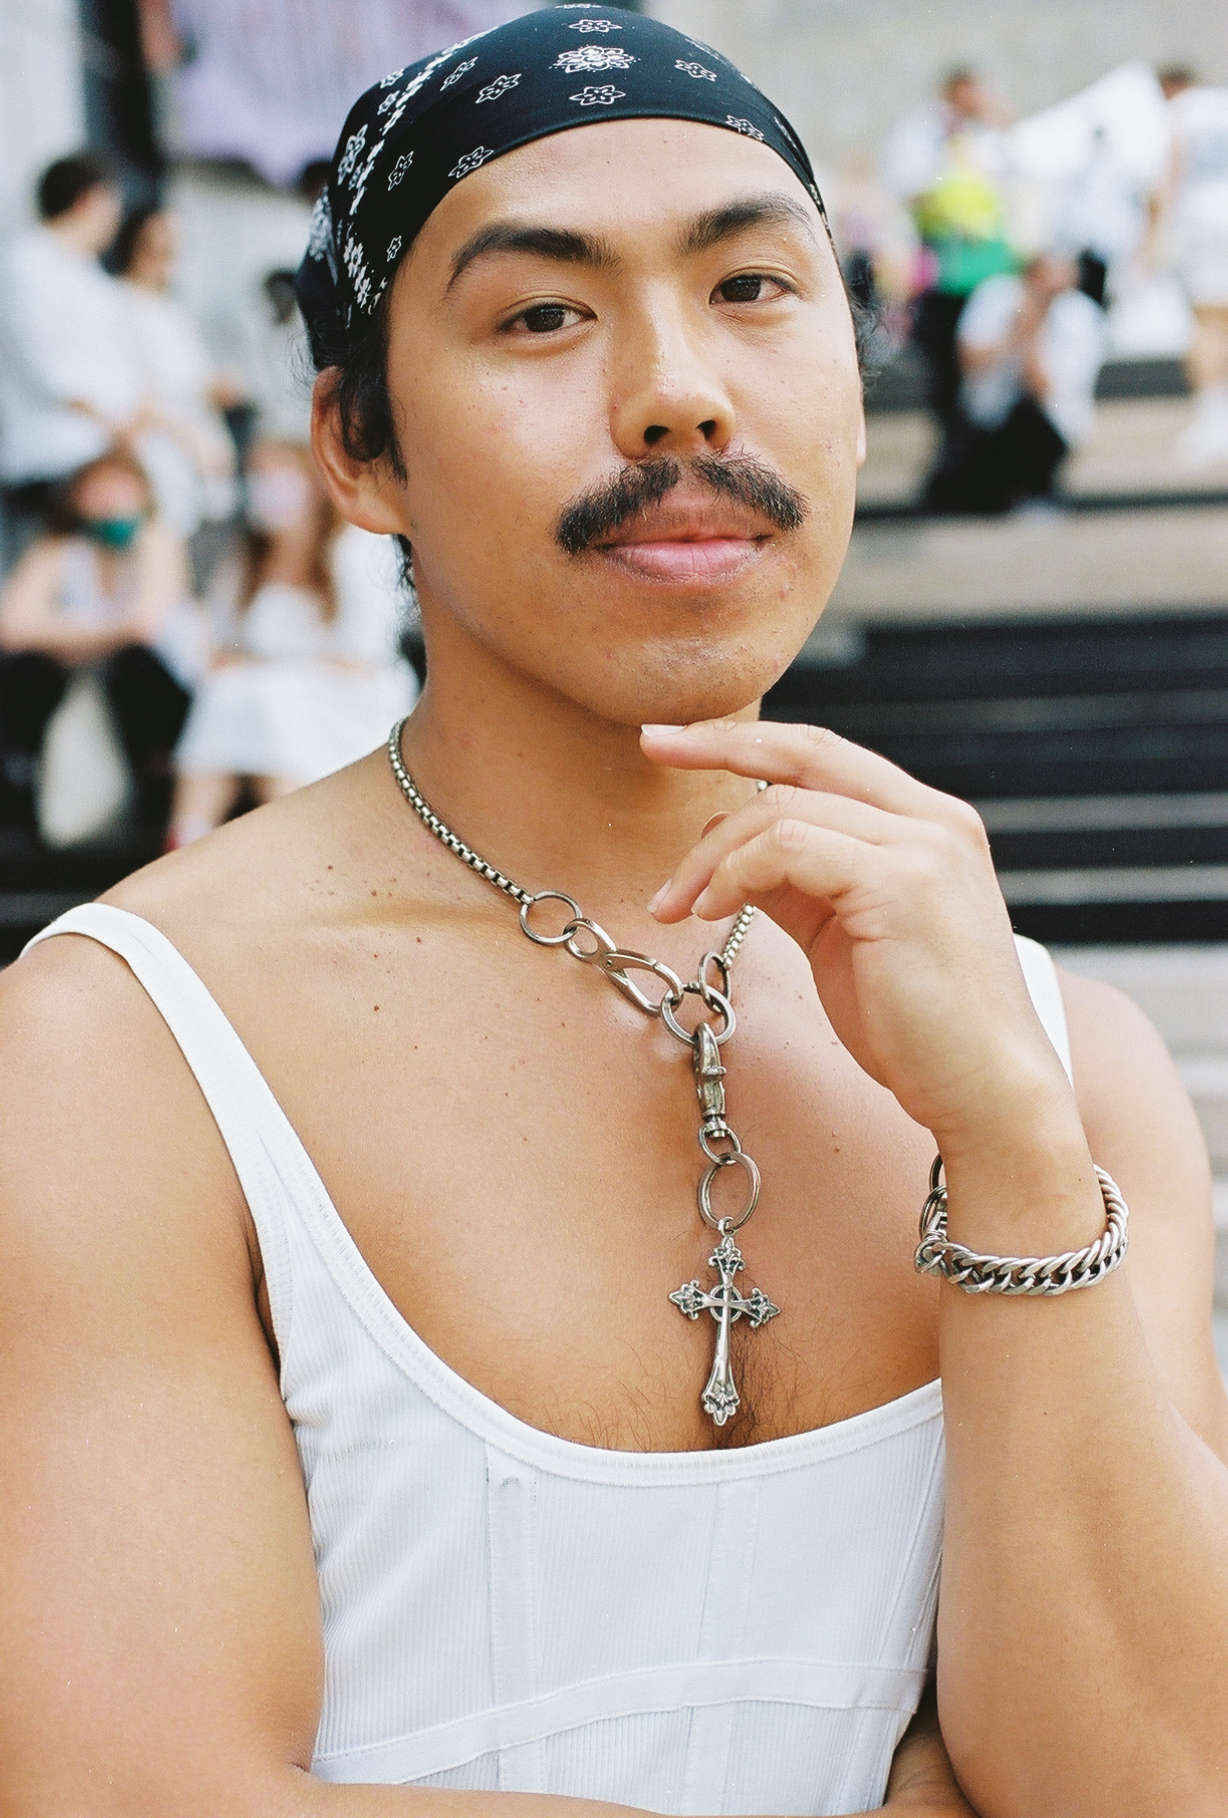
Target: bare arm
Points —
{"points": [[1083, 1625], [163, 1654], [29, 614], [1022, 337]]}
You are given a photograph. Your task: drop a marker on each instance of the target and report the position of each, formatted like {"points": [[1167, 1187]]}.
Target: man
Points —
{"points": [[565, 1536], [1031, 349], [68, 376], [947, 162]]}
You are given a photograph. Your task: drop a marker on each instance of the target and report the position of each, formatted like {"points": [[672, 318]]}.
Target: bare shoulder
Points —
{"points": [[302, 860], [140, 1418], [1142, 1127]]}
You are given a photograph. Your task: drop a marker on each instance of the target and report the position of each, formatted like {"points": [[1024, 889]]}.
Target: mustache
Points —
{"points": [[611, 503]]}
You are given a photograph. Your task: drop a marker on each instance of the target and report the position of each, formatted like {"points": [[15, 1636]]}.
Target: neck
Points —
{"points": [[75, 233], [556, 796]]}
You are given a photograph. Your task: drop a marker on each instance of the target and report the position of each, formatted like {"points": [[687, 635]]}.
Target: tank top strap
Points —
{"points": [[1045, 990], [270, 1161]]}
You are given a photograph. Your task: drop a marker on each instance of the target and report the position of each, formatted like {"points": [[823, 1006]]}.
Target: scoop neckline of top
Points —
{"points": [[462, 1401]]}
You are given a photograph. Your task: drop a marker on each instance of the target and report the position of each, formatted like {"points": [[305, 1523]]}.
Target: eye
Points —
{"points": [[748, 287], [544, 318]]}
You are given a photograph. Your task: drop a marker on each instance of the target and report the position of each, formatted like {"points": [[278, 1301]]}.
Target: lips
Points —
{"points": [[686, 543]]}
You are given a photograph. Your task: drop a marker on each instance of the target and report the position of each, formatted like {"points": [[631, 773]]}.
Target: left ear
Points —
{"points": [[367, 493]]}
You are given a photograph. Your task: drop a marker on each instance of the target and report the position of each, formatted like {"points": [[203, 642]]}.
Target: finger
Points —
{"points": [[811, 756], [818, 862], [724, 833]]}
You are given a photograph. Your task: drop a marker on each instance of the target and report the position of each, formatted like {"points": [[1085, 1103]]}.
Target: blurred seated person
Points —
{"points": [[185, 446], [1030, 350], [106, 588], [308, 676], [69, 385]]}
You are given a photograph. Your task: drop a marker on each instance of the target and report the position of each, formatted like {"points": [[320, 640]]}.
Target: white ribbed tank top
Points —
{"points": [[693, 1632]]}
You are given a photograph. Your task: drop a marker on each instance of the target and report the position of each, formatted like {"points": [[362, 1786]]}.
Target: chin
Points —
{"points": [[677, 684]]}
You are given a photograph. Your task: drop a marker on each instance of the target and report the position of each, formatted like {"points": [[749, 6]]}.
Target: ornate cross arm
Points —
{"points": [[720, 1398]]}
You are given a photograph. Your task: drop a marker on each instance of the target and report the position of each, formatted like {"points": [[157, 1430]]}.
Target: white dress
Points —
{"points": [[307, 696]]}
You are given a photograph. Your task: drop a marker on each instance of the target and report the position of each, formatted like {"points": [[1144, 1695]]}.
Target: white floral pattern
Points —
{"points": [[321, 232], [604, 96], [356, 266], [470, 161], [389, 123], [588, 57], [349, 158], [454, 75], [498, 87]]}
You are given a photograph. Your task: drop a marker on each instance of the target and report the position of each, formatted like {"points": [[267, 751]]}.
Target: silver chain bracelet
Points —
{"points": [[938, 1255]]}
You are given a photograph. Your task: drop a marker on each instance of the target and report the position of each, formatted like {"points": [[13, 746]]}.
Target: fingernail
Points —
{"points": [[662, 729], [700, 905], [658, 899]]}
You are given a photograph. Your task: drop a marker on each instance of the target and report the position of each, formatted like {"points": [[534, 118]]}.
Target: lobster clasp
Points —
{"points": [[706, 1059]]}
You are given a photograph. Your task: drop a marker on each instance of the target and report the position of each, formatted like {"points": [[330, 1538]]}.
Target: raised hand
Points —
{"points": [[889, 888]]}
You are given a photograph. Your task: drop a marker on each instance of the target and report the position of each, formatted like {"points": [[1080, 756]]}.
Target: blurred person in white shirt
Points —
{"points": [[1196, 210], [69, 381], [185, 447], [1030, 349], [308, 675]]}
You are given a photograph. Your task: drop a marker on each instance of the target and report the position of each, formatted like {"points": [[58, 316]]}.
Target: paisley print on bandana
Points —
{"points": [[415, 128]]}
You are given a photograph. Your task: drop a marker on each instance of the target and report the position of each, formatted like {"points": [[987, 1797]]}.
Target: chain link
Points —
{"points": [[453, 841], [978, 1273], [617, 963]]}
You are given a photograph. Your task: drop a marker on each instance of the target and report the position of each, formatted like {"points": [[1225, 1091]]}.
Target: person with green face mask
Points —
{"points": [[105, 590]]}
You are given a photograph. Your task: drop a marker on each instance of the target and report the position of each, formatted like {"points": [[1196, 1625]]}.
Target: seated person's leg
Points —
{"points": [[1032, 452], [150, 708], [31, 687]]}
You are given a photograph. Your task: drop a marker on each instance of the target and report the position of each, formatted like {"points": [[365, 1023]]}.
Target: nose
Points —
{"points": [[668, 396]]}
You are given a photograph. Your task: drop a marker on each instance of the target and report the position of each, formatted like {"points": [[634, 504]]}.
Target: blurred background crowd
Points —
{"points": [[1029, 200]]}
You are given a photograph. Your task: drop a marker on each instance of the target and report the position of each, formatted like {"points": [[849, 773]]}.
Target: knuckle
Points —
{"points": [[819, 738], [790, 836], [782, 796], [967, 822]]}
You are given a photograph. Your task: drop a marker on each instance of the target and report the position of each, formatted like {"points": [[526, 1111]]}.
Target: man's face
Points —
{"points": [[578, 314]]}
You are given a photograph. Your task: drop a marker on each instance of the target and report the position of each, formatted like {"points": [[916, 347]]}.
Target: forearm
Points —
{"points": [[1084, 1619], [72, 646], [317, 1799]]}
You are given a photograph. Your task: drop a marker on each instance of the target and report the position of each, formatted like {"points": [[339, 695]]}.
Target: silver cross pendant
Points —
{"points": [[720, 1398]]}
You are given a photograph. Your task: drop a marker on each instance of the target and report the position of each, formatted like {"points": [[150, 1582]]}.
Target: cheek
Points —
{"points": [[514, 445]]}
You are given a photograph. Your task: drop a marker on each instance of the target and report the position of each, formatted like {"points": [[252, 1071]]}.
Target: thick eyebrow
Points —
{"points": [[732, 218], [566, 246]]}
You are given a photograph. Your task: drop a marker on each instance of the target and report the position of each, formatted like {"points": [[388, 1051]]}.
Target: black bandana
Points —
{"points": [[422, 129]]}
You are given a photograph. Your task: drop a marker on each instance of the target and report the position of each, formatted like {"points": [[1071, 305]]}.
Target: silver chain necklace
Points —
{"points": [[587, 941]]}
